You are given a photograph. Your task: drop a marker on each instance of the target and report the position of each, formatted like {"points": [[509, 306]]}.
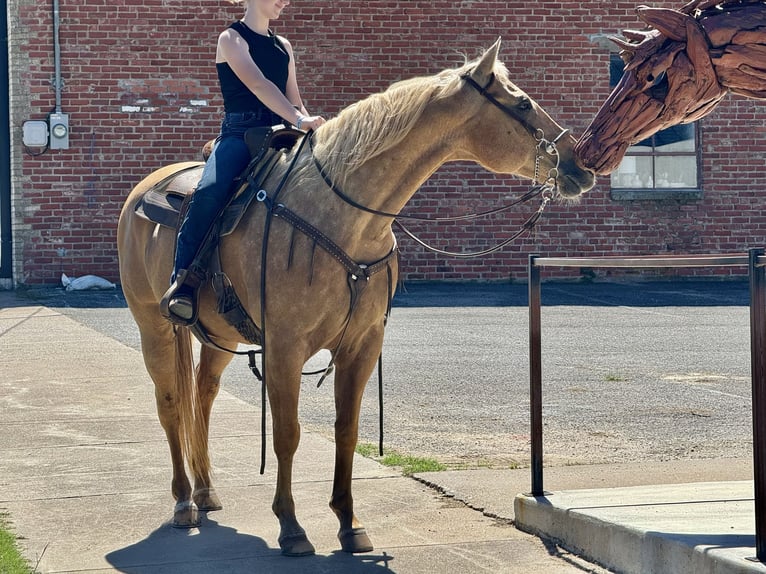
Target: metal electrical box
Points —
{"points": [[59, 130], [35, 133]]}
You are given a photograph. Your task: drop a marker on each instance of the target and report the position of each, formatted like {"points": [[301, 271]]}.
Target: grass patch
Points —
{"points": [[367, 449], [11, 560], [613, 378], [409, 464]]}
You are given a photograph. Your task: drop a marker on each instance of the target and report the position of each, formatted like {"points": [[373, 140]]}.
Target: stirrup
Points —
{"points": [[179, 304]]}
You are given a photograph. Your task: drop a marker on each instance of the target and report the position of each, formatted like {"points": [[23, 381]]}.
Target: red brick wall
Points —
{"points": [[139, 85]]}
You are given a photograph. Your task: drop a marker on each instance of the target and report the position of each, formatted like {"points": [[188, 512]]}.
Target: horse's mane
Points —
{"points": [[377, 123]]}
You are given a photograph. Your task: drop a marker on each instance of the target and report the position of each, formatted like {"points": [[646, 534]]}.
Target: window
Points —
{"points": [[664, 165]]}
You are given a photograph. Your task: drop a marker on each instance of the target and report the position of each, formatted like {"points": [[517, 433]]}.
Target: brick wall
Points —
{"points": [[140, 88]]}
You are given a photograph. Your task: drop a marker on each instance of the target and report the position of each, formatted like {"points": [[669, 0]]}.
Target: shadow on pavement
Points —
{"points": [[216, 548], [57, 297], [670, 293], [676, 293]]}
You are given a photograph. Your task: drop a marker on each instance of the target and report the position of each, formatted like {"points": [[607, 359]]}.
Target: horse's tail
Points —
{"points": [[192, 429]]}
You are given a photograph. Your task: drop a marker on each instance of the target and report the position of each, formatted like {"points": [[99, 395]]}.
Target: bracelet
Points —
{"points": [[300, 121]]}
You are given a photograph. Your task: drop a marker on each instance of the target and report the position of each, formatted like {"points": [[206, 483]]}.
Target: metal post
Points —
{"points": [[758, 373], [535, 378], [6, 238]]}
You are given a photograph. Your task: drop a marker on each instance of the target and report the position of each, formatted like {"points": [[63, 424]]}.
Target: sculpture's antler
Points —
{"points": [[703, 5], [700, 5]]}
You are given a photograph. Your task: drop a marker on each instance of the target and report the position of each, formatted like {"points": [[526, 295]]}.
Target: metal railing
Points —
{"points": [[755, 261]]}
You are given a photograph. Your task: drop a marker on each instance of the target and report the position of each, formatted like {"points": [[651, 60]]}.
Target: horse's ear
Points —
{"points": [[486, 65], [670, 23]]}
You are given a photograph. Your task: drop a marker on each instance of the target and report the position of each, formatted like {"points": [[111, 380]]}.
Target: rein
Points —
{"points": [[545, 189]]}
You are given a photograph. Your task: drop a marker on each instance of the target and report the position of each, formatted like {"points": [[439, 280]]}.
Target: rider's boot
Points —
{"points": [[179, 304]]}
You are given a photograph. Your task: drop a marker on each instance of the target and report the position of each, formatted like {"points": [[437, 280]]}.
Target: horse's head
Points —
{"points": [[511, 133], [669, 79]]}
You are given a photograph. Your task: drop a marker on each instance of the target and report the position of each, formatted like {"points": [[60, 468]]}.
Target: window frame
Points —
{"points": [[655, 193]]}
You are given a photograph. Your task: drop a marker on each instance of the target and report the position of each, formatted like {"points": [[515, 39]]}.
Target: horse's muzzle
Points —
{"points": [[572, 183]]}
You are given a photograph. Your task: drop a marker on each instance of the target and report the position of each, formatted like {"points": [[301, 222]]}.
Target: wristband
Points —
{"points": [[300, 121]]}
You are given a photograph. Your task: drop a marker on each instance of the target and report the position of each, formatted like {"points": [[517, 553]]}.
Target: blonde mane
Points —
{"points": [[377, 123]]}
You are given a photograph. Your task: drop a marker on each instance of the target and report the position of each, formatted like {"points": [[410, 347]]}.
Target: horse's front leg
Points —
{"points": [[354, 368], [283, 379]]}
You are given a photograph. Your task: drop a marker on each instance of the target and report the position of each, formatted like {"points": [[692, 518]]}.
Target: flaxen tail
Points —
{"points": [[192, 423]]}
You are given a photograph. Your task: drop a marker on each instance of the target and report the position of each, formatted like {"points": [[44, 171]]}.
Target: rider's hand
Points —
{"points": [[310, 122]]}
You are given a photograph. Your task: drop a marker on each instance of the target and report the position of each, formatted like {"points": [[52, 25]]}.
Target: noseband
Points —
{"points": [[543, 145]]}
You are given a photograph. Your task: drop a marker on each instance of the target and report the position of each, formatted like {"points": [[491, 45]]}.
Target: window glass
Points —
{"points": [[667, 160], [635, 172]]}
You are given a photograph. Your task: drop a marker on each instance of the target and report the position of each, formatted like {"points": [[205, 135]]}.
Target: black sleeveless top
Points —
{"points": [[272, 59]]}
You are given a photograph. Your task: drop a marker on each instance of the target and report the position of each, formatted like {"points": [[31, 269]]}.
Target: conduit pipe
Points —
{"points": [[57, 55]]}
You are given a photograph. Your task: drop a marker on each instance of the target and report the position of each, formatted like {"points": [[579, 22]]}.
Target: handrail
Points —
{"points": [[652, 261], [647, 261], [755, 261]]}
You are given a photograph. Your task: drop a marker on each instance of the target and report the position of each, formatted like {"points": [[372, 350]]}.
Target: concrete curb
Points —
{"points": [[704, 528]]}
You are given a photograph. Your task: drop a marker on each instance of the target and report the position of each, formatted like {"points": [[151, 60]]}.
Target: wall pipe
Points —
{"points": [[57, 55]]}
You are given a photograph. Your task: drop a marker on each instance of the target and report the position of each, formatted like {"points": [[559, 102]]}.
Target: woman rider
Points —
{"points": [[256, 72]]}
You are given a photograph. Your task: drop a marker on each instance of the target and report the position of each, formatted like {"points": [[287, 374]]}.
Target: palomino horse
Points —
{"points": [[378, 151], [678, 72]]}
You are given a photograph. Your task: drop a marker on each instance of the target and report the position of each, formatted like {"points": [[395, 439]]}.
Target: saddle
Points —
{"points": [[164, 203]]}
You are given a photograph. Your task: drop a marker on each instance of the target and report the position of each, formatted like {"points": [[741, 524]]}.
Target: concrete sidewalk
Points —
{"points": [[86, 479], [86, 482]]}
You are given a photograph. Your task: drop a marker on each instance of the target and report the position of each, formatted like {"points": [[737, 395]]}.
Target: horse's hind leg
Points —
{"points": [[158, 347], [211, 365], [352, 373]]}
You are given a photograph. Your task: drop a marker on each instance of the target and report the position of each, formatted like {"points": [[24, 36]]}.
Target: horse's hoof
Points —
{"points": [[206, 499], [355, 541], [186, 515], [296, 545]]}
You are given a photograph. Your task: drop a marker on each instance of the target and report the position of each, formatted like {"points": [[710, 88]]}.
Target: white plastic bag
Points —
{"points": [[86, 282]]}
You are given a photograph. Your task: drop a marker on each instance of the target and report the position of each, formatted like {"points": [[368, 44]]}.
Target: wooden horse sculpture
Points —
{"points": [[678, 73], [378, 152]]}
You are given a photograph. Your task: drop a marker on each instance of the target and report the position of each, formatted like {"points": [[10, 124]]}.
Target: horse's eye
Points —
{"points": [[659, 88], [653, 80], [524, 105]]}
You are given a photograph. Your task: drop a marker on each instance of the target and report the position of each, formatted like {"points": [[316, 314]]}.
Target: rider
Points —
{"points": [[256, 72]]}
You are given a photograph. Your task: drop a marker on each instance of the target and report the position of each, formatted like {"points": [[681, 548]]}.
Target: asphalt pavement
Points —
{"points": [[654, 370]]}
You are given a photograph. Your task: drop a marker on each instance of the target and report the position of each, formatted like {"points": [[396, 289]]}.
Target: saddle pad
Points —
{"points": [[162, 203]]}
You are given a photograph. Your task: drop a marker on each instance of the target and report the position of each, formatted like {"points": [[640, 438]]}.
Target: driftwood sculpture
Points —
{"points": [[676, 72]]}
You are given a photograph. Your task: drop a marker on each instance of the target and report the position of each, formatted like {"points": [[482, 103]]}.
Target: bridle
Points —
{"points": [[546, 189], [543, 144]]}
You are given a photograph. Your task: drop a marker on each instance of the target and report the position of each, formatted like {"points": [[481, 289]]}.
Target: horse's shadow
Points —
{"points": [[216, 548]]}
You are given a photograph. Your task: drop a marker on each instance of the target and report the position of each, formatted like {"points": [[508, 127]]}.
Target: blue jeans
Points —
{"points": [[229, 158]]}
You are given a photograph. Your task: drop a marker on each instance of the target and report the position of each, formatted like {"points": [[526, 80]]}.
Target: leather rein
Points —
{"points": [[545, 189]]}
